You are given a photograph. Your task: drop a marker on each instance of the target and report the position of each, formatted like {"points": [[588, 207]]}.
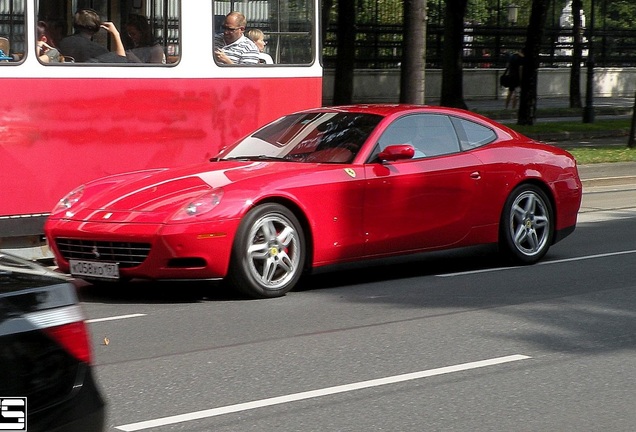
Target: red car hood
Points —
{"points": [[155, 196]]}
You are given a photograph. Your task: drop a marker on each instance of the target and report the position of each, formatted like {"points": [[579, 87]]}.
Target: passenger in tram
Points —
{"points": [[145, 48], [5, 49], [56, 30], [47, 53], [81, 47], [258, 37], [232, 46]]}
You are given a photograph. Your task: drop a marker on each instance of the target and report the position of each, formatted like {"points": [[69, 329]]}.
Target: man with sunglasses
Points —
{"points": [[232, 46]]}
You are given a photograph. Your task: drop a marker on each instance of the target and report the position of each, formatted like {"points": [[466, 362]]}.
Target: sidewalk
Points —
{"points": [[608, 174], [599, 103]]}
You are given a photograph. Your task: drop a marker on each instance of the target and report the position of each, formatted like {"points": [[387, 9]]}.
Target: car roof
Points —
{"points": [[393, 110], [385, 110]]}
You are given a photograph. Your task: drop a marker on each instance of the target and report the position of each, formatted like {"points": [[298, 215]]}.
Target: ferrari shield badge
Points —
{"points": [[351, 172]]}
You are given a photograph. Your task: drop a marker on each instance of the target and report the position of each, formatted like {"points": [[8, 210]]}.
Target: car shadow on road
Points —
{"points": [[405, 267], [418, 265], [156, 292]]}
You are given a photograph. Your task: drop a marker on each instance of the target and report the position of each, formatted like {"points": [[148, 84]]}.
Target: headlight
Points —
{"points": [[199, 206], [69, 200]]}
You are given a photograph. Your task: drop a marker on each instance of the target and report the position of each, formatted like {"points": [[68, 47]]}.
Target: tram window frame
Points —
{"points": [[289, 43], [164, 18], [13, 28]]}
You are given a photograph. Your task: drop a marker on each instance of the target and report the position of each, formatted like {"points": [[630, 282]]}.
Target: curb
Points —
{"points": [[609, 181]]}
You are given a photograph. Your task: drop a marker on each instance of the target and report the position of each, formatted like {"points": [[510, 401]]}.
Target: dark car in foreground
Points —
{"points": [[46, 380], [318, 188]]}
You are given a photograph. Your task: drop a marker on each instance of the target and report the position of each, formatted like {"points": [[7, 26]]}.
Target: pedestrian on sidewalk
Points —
{"points": [[511, 79]]}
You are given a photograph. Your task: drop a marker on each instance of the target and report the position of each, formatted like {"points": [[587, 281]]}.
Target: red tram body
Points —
{"points": [[67, 123]]}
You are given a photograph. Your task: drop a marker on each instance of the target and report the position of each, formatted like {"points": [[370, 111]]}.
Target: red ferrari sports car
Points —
{"points": [[321, 187]]}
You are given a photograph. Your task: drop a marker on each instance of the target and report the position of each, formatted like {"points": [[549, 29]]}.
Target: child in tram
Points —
{"points": [[258, 37]]}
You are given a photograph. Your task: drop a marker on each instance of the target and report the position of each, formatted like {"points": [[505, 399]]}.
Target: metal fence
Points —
{"points": [[380, 46], [380, 34]]}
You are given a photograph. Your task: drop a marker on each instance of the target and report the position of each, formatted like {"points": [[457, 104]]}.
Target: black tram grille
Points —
{"points": [[127, 254]]}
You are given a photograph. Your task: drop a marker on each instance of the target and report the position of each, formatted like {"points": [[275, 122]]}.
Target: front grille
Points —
{"points": [[127, 254]]}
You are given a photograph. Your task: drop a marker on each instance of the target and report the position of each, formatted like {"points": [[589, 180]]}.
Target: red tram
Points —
{"points": [[68, 122]]}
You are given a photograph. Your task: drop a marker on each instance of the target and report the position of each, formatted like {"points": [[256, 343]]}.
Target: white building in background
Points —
{"points": [[566, 22]]}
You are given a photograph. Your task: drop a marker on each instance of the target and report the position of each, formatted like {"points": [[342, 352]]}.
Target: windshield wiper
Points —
{"points": [[258, 158]]}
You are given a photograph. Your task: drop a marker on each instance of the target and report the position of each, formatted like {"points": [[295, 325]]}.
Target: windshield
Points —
{"points": [[329, 137]]}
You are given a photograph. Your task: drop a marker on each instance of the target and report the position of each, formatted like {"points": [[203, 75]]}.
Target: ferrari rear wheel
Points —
{"points": [[527, 225], [268, 255]]}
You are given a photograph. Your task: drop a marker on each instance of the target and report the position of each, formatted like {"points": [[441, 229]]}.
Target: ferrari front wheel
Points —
{"points": [[268, 255], [527, 224]]}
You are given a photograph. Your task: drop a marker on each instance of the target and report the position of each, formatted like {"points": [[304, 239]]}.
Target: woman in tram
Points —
{"points": [[145, 48]]}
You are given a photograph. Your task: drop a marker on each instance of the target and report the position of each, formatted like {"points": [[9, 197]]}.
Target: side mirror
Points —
{"points": [[397, 152]]}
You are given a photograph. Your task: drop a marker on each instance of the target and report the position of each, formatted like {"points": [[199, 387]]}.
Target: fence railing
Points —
{"points": [[380, 46]]}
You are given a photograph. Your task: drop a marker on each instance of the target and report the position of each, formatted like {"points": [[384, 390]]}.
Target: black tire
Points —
{"points": [[527, 225], [268, 255]]}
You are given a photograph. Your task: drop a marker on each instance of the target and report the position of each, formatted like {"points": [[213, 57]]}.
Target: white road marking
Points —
{"points": [[582, 258], [316, 393], [113, 318]]}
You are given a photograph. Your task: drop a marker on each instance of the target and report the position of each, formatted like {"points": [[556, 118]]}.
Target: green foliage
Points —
{"points": [[619, 13], [492, 12], [573, 126], [616, 14], [382, 12], [592, 155]]}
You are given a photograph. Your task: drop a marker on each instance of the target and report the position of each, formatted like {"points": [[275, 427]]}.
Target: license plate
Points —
{"points": [[94, 269]]}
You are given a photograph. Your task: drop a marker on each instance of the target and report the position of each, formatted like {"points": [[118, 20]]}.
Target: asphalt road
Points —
{"points": [[443, 342]]}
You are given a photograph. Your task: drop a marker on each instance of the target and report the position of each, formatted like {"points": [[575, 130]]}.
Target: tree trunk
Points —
{"points": [[345, 57], [536, 27], [577, 56], [452, 71], [413, 52]]}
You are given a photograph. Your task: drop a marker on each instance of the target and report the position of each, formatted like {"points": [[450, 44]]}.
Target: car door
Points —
{"points": [[424, 202]]}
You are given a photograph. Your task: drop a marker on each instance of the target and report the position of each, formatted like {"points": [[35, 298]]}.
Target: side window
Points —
{"points": [[12, 28], [430, 134], [401, 131], [137, 33], [261, 32], [473, 135]]}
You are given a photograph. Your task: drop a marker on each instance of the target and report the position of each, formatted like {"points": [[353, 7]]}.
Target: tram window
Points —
{"points": [[149, 31], [12, 25], [287, 25]]}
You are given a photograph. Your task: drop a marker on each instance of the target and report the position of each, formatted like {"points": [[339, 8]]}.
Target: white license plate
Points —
{"points": [[94, 269]]}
